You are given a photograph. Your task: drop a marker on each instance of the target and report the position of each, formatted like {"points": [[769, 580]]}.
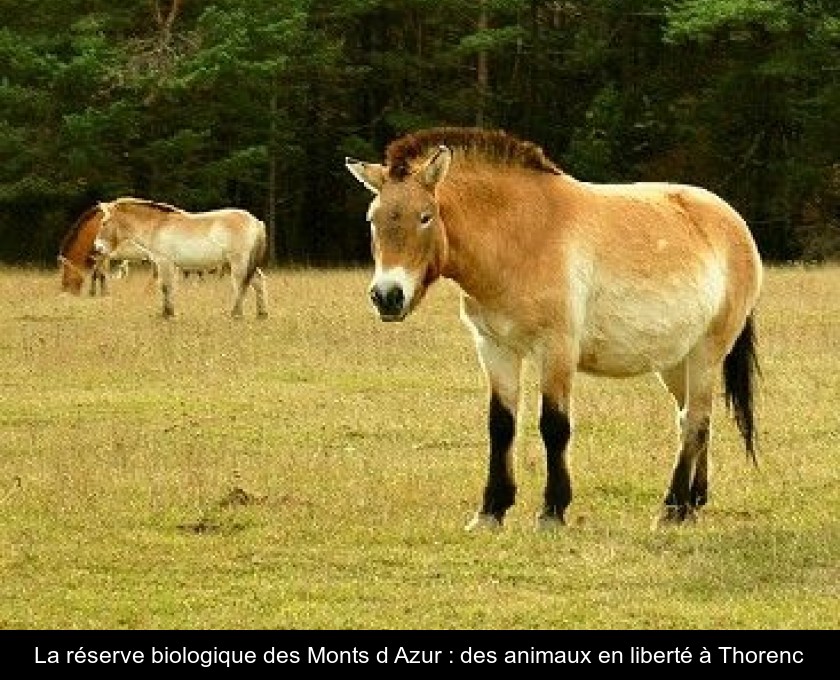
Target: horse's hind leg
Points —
{"points": [[691, 387], [258, 284], [502, 368]]}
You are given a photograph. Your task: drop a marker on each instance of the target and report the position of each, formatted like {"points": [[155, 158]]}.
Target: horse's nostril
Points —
{"points": [[388, 301], [377, 298], [394, 299]]}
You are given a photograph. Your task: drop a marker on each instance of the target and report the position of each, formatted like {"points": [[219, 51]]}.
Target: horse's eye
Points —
{"points": [[426, 219]]}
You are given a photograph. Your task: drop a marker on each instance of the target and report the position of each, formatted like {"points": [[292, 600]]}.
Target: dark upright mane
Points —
{"points": [[73, 232], [495, 146]]}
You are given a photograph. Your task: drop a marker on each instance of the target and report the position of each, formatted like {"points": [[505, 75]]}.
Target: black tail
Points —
{"points": [[740, 368]]}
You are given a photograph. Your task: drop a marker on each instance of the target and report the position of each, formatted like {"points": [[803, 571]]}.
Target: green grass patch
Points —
{"points": [[316, 470]]}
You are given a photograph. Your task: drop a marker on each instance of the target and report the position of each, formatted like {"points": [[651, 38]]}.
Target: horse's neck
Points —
{"points": [[141, 243], [487, 231], [77, 251], [139, 239]]}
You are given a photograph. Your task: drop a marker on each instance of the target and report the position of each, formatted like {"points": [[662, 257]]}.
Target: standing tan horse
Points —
{"points": [[173, 238], [78, 257], [612, 280]]}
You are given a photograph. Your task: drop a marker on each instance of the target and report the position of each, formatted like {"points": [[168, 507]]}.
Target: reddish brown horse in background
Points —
{"points": [[78, 257], [613, 280]]}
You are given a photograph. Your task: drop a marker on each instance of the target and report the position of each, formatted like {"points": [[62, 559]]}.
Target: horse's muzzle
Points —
{"points": [[389, 301]]}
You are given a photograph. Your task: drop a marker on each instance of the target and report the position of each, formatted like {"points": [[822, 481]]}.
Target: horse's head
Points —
{"points": [[112, 231], [72, 276], [407, 234], [75, 256]]}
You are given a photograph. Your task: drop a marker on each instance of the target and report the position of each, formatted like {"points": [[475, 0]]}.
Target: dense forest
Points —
{"points": [[255, 104]]}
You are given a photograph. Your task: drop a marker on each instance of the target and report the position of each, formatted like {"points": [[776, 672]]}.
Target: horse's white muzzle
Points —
{"points": [[392, 293]]}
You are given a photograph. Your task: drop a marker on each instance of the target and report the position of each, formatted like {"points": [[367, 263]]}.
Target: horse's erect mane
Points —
{"points": [[73, 232], [494, 146], [156, 205]]}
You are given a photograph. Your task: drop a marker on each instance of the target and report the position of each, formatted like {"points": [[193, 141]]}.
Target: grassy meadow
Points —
{"points": [[316, 469]]}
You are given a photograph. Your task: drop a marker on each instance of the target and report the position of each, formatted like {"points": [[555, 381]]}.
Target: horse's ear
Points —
{"points": [[436, 167], [372, 175]]}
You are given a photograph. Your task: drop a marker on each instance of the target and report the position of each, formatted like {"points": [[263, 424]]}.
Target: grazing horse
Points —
{"points": [[78, 256], [173, 238], [609, 279]]}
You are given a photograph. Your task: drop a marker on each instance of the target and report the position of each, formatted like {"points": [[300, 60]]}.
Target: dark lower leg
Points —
{"points": [[556, 431], [168, 308], [689, 481], [500, 492], [700, 486]]}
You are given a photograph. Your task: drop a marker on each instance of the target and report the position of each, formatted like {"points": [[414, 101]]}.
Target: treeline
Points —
{"points": [[255, 103]]}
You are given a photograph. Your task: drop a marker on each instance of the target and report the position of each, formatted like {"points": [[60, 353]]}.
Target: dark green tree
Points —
{"points": [[255, 103]]}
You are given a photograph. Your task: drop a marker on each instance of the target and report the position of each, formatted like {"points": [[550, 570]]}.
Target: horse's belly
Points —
{"points": [[188, 260], [627, 334], [196, 252]]}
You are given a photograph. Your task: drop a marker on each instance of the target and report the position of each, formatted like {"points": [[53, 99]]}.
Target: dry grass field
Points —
{"points": [[315, 470]]}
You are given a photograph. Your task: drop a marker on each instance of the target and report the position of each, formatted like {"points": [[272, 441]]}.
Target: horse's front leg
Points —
{"points": [[557, 365], [166, 272], [97, 276], [238, 273], [502, 368]]}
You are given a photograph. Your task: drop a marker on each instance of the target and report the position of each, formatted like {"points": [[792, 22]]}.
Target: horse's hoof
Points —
{"points": [[483, 521], [549, 522], [262, 315], [674, 515]]}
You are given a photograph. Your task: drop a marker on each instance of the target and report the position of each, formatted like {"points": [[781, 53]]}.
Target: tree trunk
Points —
{"points": [[166, 20], [481, 68], [271, 211]]}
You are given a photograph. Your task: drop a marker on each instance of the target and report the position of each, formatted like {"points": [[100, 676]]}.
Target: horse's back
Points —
{"points": [[240, 228], [232, 222], [657, 268], [728, 234], [733, 250], [658, 230], [203, 239]]}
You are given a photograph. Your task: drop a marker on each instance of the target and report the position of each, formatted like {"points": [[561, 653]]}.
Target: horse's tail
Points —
{"points": [[740, 368], [259, 252]]}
